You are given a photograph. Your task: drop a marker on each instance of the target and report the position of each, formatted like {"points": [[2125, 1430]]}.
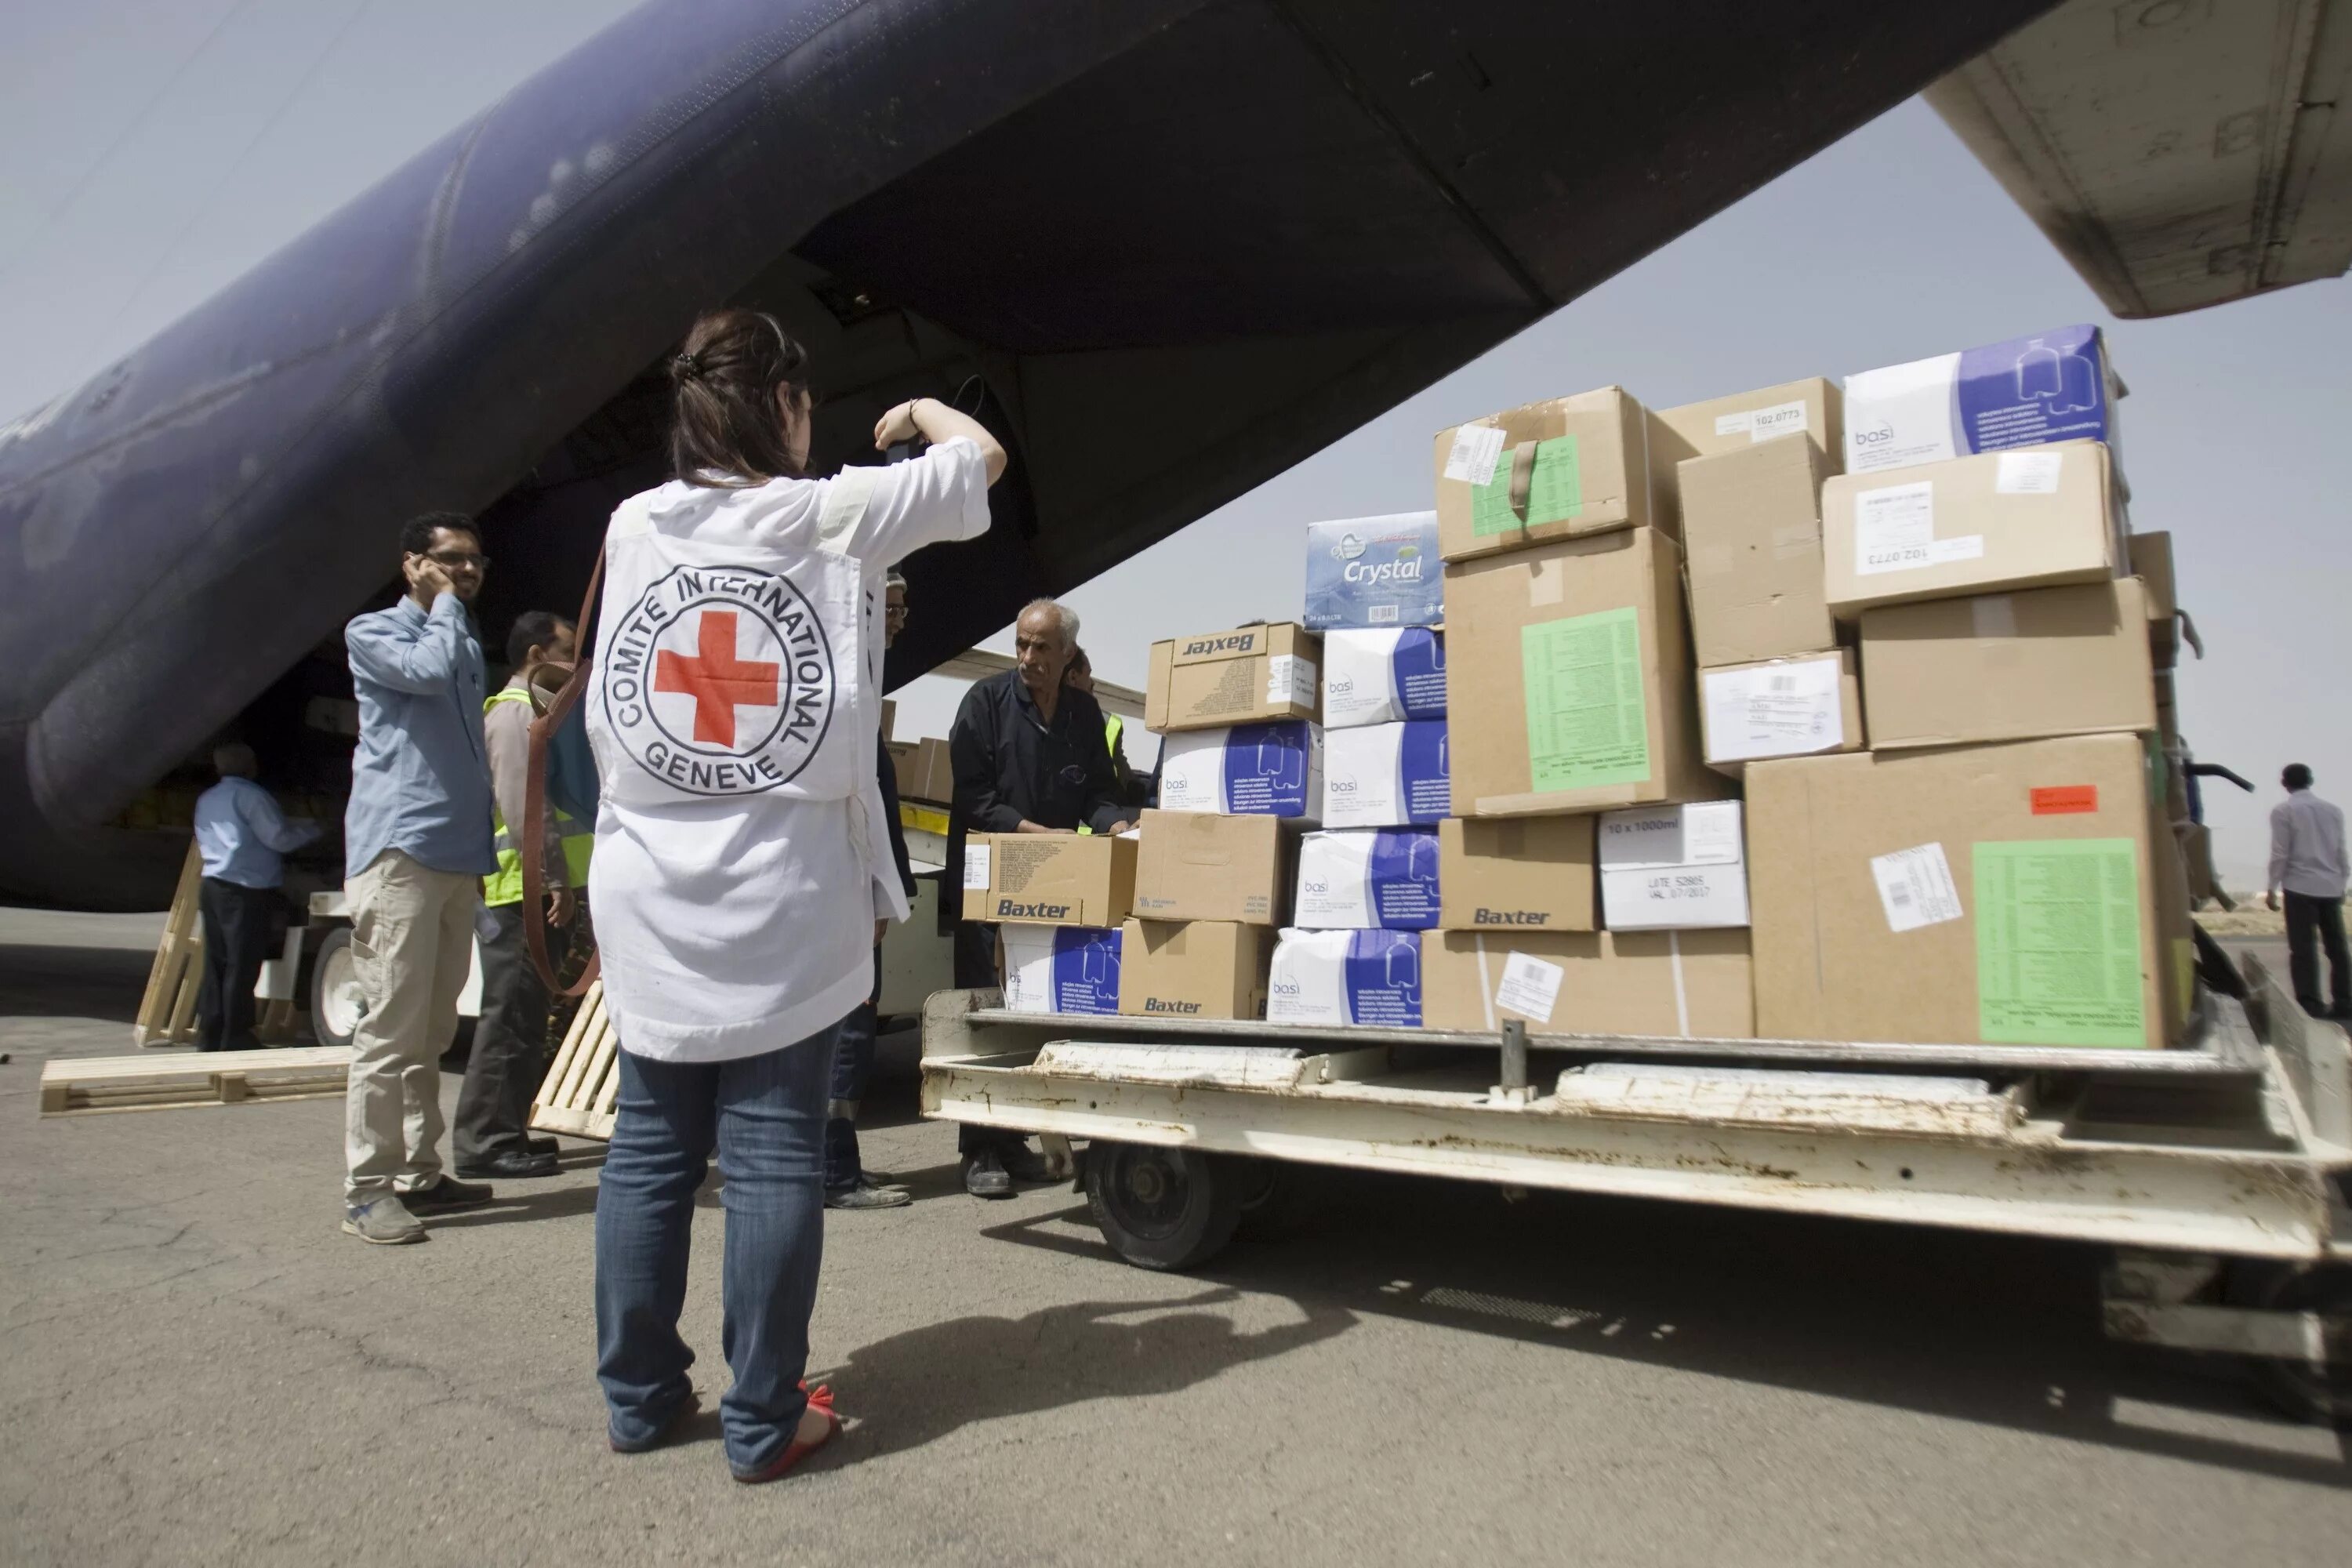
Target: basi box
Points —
{"points": [[1049, 878], [1261, 770], [2036, 519], [1346, 977], [1382, 676], [925, 773], [1556, 470], [1374, 572], [1248, 675], [1059, 969], [1380, 876], [1814, 407], [1672, 867], [2009, 666], [1780, 708], [1682, 984], [2056, 386], [1516, 872], [1205, 865], [1752, 530], [1193, 969], [1978, 895], [1385, 775], [1568, 681]]}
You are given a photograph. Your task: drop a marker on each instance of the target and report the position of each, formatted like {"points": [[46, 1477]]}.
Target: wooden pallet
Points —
{"points": [[167, 1011], [581, 1088], [78, 1085]]}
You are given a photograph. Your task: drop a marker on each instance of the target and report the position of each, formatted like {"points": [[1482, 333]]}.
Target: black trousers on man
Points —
{"points": [[241, 933], [510, 1056], [2312, 922]]}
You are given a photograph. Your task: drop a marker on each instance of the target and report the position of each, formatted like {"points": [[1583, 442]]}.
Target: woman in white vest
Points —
{"points": [[741, 860]]}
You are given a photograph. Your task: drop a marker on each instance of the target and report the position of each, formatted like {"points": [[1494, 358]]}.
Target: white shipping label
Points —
{"points": [[1763, 424], [1774, 710], [1916, 887], [1711, 834], [1291, 679], [1894, 528], [975, 867], [2027, 473], [1472, 456], [1530, 986]]}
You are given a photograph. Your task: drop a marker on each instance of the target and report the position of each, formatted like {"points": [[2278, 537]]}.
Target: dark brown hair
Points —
{"points": [[727, 430]]}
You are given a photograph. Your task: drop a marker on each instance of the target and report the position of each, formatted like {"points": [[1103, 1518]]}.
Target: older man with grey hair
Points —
{"points": [[1029, 757]]}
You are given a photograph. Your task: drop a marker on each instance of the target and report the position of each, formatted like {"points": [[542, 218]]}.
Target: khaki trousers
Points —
{"points": [[412, 947]]}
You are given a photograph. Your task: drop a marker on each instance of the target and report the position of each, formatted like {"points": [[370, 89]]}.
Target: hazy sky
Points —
{"points": [[152, 150]]}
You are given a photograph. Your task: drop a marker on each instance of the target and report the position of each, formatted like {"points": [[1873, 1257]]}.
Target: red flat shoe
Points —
{"points": [[819, 1400]]}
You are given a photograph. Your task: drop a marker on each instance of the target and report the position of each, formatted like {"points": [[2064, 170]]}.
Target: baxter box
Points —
{"points": [[1813, 406], [1382, 676], [1371, 876], [1976, 895], [2036, 519], [1683, 985], [1059, 969], [1248, 675], [2056, 386], [1255, 770], [1385, 775], [1374, 572], [1568, 681], [1672, 867], [1205, 865], [925, 774], [1752, 529], [1516, 872], [1780, 708], [1550, 470], [2150, 555], [2009, 666], [1193, 969], [1346, 977], [1049, 878]]}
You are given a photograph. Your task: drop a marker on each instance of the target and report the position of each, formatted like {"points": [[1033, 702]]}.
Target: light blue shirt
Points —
{"points": [[421, 777], [241, 834]]}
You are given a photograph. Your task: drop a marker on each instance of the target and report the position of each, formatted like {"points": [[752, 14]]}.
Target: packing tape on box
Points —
{"points": [[1682, 1001], [1546, 582], [1486, 984]]}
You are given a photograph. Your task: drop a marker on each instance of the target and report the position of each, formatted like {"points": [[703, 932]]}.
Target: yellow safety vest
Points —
{"points": [[1113, 728], [504, 886]]}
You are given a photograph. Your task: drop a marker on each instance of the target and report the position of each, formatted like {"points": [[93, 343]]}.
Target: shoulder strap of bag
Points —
{"points": [[534, 801]]}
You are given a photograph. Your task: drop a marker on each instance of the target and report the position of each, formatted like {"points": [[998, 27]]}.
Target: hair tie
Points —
{"points": [[687, 366]]}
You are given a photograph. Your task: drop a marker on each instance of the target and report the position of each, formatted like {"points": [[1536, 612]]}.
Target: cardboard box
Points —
{"points": [[1058, 968], [1979, 895], [1975, 525], [1517, 873], [1672, 867], [1382, 676], [1556, 470], [1814, 407], [1374, 572], [2009, 666], [1752, 530], [1049, 878], [1370, 878], [2151, 563], [1569, 683], [889, 717], [1780, 708], [1683, 985], [1385, 775], [1251, 675], [1193, 969], [1346, 977], [2056, 386], [1205, 865], [925, 771], [1255, 770]]}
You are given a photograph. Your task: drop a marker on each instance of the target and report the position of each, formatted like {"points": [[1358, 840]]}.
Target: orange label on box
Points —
{"points": [[2064, 800]]}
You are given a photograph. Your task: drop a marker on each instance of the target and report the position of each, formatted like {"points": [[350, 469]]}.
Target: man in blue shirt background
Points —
{"points": [[241, 836], [416, 842]]}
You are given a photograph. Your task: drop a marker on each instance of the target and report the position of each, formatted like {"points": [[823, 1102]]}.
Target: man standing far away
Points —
{"points": [[2308, 866], [492, 1132], [241, 836], [416, 843], [1029, 757]]}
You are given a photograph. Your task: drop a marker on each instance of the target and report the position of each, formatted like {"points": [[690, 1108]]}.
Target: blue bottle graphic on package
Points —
{"points": [[2053, 386], [1085, 970], [1383, 978], [1387, 775], [1356, 880], [1374, 572], [1381, 678], [1249, 770]]}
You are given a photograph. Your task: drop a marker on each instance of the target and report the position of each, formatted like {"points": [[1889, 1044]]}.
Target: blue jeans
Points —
{"points": [[765, 1115]]}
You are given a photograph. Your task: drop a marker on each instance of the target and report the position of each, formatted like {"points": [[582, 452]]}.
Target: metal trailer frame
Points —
{"points": [[2226, 1160]]}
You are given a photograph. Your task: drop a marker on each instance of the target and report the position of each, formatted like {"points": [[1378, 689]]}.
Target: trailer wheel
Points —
{"points": [[1160, 1208], [2305, 1391], [337, 1003], [1278, 1198]]}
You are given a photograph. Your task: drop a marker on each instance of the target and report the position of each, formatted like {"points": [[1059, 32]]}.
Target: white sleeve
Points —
{"points": [[941, 495]]}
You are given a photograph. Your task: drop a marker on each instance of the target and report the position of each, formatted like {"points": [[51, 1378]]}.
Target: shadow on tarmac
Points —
{"points": [[37, 982]]}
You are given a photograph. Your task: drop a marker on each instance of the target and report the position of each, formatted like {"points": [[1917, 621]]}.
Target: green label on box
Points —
{"points": [[1587, 723], [1555, 491], [2058, 942]]}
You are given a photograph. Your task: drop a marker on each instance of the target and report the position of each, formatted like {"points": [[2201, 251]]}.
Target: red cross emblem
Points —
{"points": [[716, 679]]}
